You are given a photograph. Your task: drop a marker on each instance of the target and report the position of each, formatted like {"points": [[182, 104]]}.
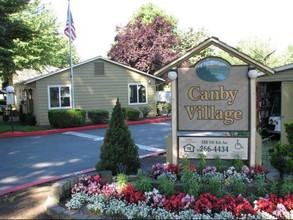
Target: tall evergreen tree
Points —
{"points": [[119, 153]]}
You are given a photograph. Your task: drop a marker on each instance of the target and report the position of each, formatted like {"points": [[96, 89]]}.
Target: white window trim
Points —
{"points": [[146, 93], [49, 98]]}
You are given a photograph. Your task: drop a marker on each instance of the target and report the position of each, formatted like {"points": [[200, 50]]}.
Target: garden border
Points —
{"points": [[62, 189]]}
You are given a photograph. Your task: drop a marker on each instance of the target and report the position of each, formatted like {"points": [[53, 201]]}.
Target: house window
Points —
{"points": [[59, 97], [137, 94]]}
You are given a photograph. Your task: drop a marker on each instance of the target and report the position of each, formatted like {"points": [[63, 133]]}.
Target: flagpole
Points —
{"points": [[70, 54]]}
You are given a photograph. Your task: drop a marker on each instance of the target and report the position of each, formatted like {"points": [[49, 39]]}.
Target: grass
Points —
{"points": [[5, 126]]}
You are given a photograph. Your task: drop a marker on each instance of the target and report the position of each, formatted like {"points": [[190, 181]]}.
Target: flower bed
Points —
{"points": [[196, 200]]}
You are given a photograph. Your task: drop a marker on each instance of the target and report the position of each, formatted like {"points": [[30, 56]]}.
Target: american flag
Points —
{"points": [[69, 30]]}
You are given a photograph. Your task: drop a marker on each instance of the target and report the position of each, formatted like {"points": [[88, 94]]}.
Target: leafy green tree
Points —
{"points": [[43, 47], [149, 12], [190, 39], [260, 50], [11, 28], [48, 47], [289, 58], [119, 153]]}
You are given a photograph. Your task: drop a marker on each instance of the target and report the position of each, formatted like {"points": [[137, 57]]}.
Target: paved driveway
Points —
{"points": [[28, 159]]}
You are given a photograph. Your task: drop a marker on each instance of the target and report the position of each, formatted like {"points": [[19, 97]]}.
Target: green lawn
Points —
{"points": [[6, 126]]}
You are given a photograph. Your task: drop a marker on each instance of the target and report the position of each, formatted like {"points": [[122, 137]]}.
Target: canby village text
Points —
{"points": [[209, 112]]}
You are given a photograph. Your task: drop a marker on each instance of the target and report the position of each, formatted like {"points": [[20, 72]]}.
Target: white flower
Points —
{"points": [[77, 200]]}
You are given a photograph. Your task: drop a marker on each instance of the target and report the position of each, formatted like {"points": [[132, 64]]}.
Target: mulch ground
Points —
{"points": [[29, 203]]}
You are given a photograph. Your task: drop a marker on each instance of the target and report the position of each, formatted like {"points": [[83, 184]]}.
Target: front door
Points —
{"points": [[286, 108]]}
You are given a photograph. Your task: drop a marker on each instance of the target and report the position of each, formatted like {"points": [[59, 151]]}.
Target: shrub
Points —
{"points": [[98, 116], [124, 110], [5, 117], [27, 119], [167, 107], [281, 156], [30, 119], [118, 148], [289, 131], [143, 183], [287, 186], [22, 117], [122, 180], [132, 114], [66, 118], [166, 186], [145, 111]]}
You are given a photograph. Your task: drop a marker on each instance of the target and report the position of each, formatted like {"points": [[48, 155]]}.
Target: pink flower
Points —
{"points": [[109, 190], [209, 169], [187, 201], [280, 211]]}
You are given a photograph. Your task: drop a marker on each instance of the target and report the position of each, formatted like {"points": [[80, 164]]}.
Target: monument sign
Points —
{"points": [[213, 96]]}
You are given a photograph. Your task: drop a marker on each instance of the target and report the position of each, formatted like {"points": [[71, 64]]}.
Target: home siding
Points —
{"points": [[41, 99], [94, 91]]}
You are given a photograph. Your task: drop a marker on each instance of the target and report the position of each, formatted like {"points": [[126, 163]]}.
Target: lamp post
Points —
{"points": [[10, 102], [253, 74], [172, 75]]}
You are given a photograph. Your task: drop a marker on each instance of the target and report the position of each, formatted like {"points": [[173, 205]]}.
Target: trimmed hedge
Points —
{"points": [[28, 119], [145, 110], [98, 116], [67, 118], [132, 114], [289, 131], [124, 110]]}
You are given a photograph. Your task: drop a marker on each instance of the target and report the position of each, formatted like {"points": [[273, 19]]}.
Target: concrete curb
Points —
{"points": [[11, 134]]}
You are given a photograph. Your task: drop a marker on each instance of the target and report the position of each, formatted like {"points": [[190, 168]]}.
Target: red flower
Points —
{"points": [[205, 203], [130, 195], [97, 179], [288, 201], [175, 204], [244, 208], [173, 168], [192, 167], [227, 203], [259, 169], [269, 203]]}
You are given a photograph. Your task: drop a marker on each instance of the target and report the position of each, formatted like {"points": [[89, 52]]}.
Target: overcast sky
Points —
{"points": [[229, 20]]}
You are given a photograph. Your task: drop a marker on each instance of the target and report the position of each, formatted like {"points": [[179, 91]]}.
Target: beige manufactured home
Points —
{"points": [[96, 85]]}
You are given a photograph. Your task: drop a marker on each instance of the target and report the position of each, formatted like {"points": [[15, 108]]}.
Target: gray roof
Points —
{"points": [[88, 61], [282, 68], [283, 74]]}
